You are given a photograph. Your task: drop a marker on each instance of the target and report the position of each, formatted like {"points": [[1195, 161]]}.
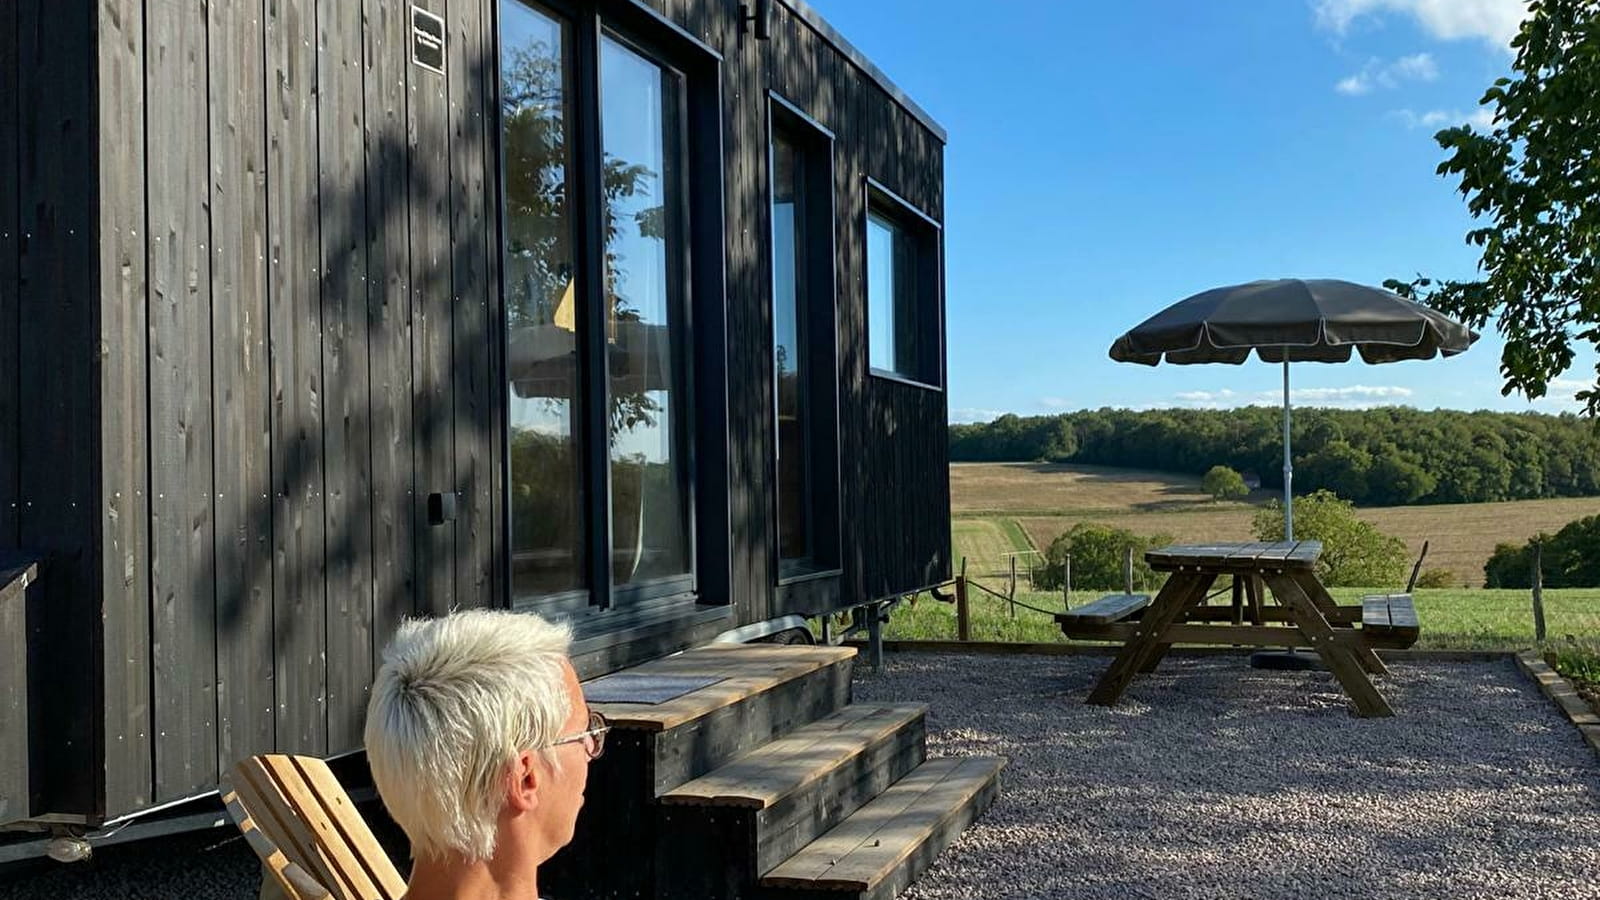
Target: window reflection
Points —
{"points": [[789, 354], [645, 332], [541, 298]]}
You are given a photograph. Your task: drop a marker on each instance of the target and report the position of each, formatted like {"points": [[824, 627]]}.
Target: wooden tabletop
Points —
{"points": [[1234, 556]]}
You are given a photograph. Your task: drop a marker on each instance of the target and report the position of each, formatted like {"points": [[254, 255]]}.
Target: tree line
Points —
{"points": [[1390, 456]]}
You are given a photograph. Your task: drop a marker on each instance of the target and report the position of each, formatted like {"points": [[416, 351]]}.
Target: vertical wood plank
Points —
{"points": [[58, 463], [10, 242], [294, 256], [124, 457], [183, 615], [347, 443], [474, 548], [246, 724], [433, 415], [389, 316]]}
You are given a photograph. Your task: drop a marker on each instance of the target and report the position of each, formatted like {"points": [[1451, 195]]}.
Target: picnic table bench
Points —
{"points": [[1304, 615]]}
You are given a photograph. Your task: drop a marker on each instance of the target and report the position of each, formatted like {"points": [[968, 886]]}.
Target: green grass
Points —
{"points": [[1579, 659], [1451, 619]]}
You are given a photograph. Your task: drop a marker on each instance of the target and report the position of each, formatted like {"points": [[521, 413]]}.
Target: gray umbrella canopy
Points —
{"points": [[1290, 320]]}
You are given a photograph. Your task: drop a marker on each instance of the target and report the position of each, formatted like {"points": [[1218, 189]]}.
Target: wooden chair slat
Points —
{"points": [[276, 818], [309, 836], [293, 882], [336, 805], [329, 842]]}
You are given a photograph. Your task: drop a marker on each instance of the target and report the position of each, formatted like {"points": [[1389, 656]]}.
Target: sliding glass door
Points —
{"points": [[596, 290]]}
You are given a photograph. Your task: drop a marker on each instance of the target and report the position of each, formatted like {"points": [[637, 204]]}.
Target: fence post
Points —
{"points": [[1127, 569], [1538, 592], [963, 625], [1066, 583], [1011, 595]]}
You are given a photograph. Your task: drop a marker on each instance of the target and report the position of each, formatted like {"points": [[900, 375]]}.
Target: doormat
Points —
{"points": [[650, 689]]}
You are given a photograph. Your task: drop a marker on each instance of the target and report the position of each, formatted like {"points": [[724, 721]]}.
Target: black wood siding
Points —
{"points": [[260, 330], [894, 469], [250, 321]]}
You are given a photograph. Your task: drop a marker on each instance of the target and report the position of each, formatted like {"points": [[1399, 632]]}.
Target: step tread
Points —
{"points": [[761, 778], [746, 670], [866, 848]]}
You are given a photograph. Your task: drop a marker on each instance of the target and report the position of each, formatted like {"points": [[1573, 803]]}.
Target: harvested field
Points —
{"points": [[1044, 488], [1047, 500]]}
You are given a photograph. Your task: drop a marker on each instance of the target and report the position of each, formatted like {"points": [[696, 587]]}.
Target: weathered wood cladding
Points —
{"points": [[249, 276], [234, 422]]}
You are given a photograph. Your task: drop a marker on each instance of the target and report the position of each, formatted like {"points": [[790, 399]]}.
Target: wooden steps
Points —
{"points": [[765, 777], [738, 778], [885, 845], [720, 831]]}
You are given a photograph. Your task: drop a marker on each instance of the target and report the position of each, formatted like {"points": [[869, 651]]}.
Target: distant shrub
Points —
{"points": [[1570, 558], [1437, 578], [1354, 552], [1097, 553], [1223, 483]]}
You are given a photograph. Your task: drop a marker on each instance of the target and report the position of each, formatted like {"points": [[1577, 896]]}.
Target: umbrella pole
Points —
{"points": [[1288, 464]]}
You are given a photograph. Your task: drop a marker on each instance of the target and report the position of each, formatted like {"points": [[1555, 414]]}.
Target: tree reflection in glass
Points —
{"points": [[542, 319]]}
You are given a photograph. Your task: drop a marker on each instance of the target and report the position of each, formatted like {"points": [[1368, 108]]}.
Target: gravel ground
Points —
{"points": [[1211, 779]]}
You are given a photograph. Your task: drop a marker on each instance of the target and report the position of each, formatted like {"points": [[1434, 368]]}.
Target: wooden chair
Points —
{"points": [[312, 842]]}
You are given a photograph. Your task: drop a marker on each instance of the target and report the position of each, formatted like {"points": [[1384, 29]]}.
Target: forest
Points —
{"points": [[1388, 456]]}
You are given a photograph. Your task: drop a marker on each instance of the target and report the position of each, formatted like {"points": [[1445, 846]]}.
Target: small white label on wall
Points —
{"points": [[427, 40]]}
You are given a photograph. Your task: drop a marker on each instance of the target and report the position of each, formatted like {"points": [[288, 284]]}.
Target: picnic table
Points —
{"points": [[1304, 615]]}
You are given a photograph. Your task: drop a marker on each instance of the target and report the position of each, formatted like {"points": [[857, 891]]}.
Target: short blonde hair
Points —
{"points": [[455, 701]]}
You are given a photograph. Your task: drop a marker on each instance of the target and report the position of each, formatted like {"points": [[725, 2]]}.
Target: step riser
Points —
{"points": [[639, 766], [797, 821], [718, 852], [913, 866], [696, 748]]}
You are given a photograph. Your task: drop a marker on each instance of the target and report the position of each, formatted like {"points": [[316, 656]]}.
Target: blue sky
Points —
{"points": [[1107, 159]]}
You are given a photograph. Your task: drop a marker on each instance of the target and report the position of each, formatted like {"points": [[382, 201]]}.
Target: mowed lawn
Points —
{"points": [[1451, 619], [1047, 500]]}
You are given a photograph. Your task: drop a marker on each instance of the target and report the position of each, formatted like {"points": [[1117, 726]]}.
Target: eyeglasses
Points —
{"points": [[593, 737]]}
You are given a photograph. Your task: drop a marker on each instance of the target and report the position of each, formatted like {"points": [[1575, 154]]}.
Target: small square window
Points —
{"points": [[902, 291]]}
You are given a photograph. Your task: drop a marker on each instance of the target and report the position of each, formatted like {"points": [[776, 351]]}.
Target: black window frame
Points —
{"points": [[603, 605], [818, 321], [926, 237]]}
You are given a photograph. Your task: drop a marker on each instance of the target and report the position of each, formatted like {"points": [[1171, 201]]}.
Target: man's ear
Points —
{"points": [[523, 781]]}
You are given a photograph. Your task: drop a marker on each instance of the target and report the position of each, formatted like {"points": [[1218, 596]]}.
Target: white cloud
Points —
{"points": [[1360, 396], [1359, 393], [1494, 21], [1205, 396], [1056, 403], [969, 414], [1482, 119], [1376, 73]]}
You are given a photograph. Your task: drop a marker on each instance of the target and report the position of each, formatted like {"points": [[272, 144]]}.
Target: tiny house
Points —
{"points": [[318, 314]]}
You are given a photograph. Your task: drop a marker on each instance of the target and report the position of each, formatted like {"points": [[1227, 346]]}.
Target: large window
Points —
{"points": [[902, 290], [596, 281], [545, 417], [804, 366]]}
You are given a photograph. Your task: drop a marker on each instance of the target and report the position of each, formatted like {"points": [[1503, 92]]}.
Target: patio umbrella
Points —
{"points": [[1290, 320]]}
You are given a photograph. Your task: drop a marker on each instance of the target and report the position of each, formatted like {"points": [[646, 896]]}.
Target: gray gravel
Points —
{"points": [[1211, 779]]}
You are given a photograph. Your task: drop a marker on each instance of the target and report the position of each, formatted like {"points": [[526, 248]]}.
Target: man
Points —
{"points": [[479, 741]]}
